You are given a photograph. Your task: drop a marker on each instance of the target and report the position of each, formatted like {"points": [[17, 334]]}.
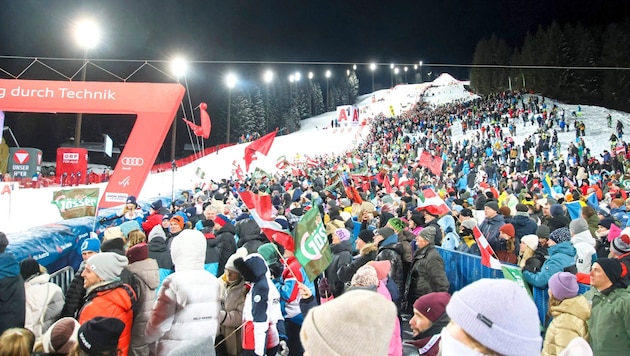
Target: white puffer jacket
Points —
{"points": [[44, 301], [187, 307], [584, 244]]}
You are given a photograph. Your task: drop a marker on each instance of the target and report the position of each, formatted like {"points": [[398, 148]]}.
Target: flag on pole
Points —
{"points": [[591, 200], [546, 182], [200, 173], [261, 145], [76, 203], [433, 163], [514, 273], [238, 171], [574, 208], [311, 244], [282, 162], [488, 257], [432, 202], [259, 207], [260, 174]]}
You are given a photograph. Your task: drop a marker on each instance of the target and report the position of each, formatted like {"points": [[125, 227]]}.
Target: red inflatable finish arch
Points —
{"points": [[154, 104]]}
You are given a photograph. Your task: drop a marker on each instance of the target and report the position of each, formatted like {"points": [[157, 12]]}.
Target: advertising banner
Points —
{"points": [[76, 203], [24, 162], [71, 160]]}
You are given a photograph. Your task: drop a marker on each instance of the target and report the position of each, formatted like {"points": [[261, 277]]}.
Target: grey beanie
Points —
{"points": [[107, 265], [578, 225], [157, 231], [474, 309], [492, 204], [543, 232]]}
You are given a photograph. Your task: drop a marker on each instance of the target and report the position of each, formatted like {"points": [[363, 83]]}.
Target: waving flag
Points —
{"points": [[311, 244], [202, 130], [546, 182], [434, 163], [282, 162], [488, 257], [261, 145], [259, 207], [574, 209], [238, 171], [432, 203]]}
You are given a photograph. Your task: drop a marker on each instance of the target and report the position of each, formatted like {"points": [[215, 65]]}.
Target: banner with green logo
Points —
{"points": [[514, 273], [76, 203], [311, 244]]}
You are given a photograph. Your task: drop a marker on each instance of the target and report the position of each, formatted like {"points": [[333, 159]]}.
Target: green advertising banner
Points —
{"points": [[311, 244], [514, 273], [76, 203]]}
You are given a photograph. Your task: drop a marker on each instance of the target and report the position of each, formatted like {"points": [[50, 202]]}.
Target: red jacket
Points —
{"points": [[114, 300]]}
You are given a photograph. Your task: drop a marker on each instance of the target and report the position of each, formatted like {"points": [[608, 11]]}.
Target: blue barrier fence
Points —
{"points": [[463, 269]]}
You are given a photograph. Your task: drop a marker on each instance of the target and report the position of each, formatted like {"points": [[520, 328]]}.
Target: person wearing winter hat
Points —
{"points": [[222, 246], [359, 322], [176, 225], [561, 255], [620, 247], [61, 337], [129, 226], [428, 320], [602, 238], [558, 218], [104, 289], [232, 294], [530, 256], [112, 232], [396, 224], [506, 233], [187, 305], [570, 313], [491, 224], [12, 305], [390, 249], [156, 214], [610, 308], [44, 299], [146, 272], [584, 244], [101, 336], [368, 250], [76, 291], [468, 242], [478, 324], [131, 210], [416, 222], [426, 274], [342, 251], [365, 278], [116, 245]]}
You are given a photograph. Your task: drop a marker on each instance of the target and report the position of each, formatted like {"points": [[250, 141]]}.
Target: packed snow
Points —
{"points": [[29, 208]]}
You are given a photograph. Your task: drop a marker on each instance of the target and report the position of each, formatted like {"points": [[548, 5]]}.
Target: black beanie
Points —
{"points": [[613, 268], [116, 245], [367, 236], [28, 268], [100, 335]]}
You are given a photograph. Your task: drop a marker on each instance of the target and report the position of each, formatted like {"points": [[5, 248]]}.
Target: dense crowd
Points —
{"points": [[201, 277]]}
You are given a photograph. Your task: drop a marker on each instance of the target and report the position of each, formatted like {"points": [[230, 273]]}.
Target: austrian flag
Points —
{"points": [[259, 207], [488, 258], [432, 203]]}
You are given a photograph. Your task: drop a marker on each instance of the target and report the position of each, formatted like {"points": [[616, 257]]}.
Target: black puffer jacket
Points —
{"points": [[224, 244], [159, 251], [249, 235], [367, 254], [427, 275], [392, 250], [342, 256], [74, 295]]}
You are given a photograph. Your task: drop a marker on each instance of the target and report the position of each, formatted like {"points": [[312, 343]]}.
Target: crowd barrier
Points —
{"points": [[463, 269], [62, 278]]}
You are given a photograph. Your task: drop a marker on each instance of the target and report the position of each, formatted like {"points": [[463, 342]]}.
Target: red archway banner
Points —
{"points": [[155, 105]]}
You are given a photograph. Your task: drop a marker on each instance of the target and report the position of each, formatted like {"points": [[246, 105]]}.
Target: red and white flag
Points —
{"points": [[260, 207], [432, 203], [261, 145], [488, 258]]}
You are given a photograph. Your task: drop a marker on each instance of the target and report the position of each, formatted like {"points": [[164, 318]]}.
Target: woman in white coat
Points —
{"points": [[187, 307], [44, 299]]}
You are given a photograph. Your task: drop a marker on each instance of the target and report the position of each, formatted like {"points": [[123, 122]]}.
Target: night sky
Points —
{"points": [[352, 31]]}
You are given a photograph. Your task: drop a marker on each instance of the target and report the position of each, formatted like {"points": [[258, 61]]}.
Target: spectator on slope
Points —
{"points": [[44, 299], [506, 234], [60, 338], [367, 252], [187, 306], [602, 245], [570, 313], [543, 237], [558, 218], [159, 251], [427, 274], [100, 336], [404, 238], [154, 218], [223, 245], [249, 235], [561, 255], [147, 275], [478, 326], [232, 294], [428, 320], [618, 211], [590, 215], [451, 239], [107, 295], [620, 248], [491, 224], [523, 225], [359, 322], [76, 291], [431, 219], [468, 242], [610, 308], [584, 245], [131, 211], [530, 258], [341, 256], [390, 249], [416, 223]]}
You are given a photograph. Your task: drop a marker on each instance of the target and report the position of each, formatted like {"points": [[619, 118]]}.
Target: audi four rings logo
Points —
{"points": [[132, 161]]}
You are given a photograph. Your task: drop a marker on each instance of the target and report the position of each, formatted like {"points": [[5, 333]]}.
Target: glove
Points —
{"points": [[325, 290], [283, 349], [102, 221]]}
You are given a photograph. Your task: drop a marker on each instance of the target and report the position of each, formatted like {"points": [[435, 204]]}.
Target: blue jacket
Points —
{"points": [[490, 229], [560, 256], [12, 297]]}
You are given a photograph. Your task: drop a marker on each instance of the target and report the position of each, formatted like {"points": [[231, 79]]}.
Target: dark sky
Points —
{"points": [[403, 31]]}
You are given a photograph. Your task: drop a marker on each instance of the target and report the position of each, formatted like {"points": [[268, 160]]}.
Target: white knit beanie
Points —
{"points": [[487, 310], [359, 322]]}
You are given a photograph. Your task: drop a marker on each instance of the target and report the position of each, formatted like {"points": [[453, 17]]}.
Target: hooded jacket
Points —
{"points": [[366, 254], [44, 301], [261, 312], [427, 275], [148, 278], [451, 239], [12, 298], [248, 233], [490, 229], [342, 256], [560, 256], [224, 244], [523, 225], [187, 306], [584, 245], [158, 250], [608, 324], [231, 316], [74, 295], [570, 319]]}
